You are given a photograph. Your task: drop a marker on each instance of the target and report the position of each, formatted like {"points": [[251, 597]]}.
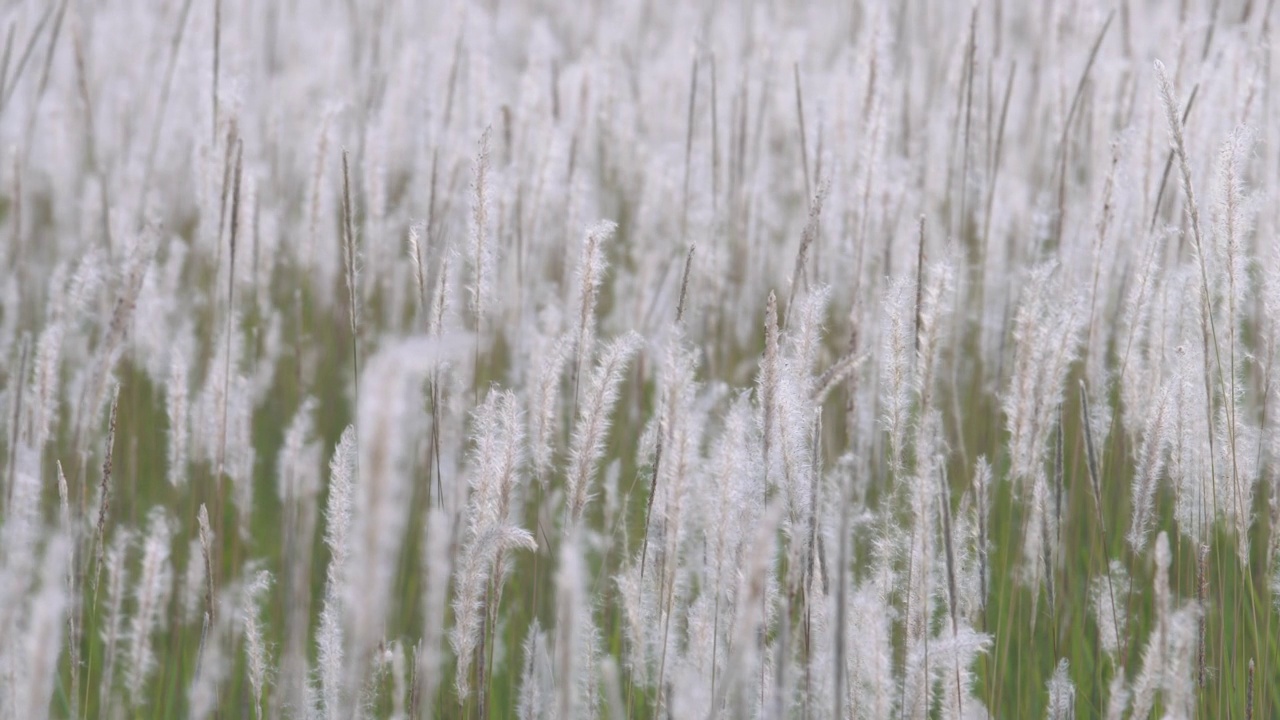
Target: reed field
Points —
{"points": [[541, 359]]}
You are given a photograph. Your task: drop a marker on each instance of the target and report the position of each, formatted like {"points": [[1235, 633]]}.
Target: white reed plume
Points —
{"points": [[1180, 671], [141, 251], [218, 638], [394, 658], [382, 489], [1108, 595], [639, 607], [1046, 331], [576, 655], [41, 640], [497, 461], [1217, 372], [415, 250], [151, 597], [1233, 226], [592, 266], [191, 586], [550, 356], [794, 418], [954, 653], [481, 251], [1171, 111], [1134, 335], [898, 372], [935, 304], [537, 682], [46, 382], [677, 473], [1151, 461], [112, 634], [1062, 695], [1117, 698], [437, 566], [756, 596], [734, 500], [255, 649], [982, 512], [1037, 535], [872, 689], [298, 484], [1155, 657], [176, 406], [1190, 460], [329, 636], [592, 426], [441, 300]]}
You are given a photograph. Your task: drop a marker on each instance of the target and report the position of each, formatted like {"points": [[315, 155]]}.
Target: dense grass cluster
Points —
{"points": [[627, 359]]}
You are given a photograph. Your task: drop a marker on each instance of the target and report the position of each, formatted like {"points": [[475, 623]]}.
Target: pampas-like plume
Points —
{"points": [[394, 658], [835, 375], [935, 298], [415, 259], [217, 639], [1208, 324], [537, 683], [592, 426], [954, 656], [807, 238], [298, 484], [440, 302], [551, 354], [390, 387], [1062, 695], [756, 595], [794, 430], [45, 379], [1180, 672], [329, 637], [665, 516], [869, 636], [1046, 332], [591, 269], [1151, 460], [498, 460], [437, 567], [1170, 104], [1117, 698], [176, 405], [737, 500], [1107, 597], [135, 267], [475, 564], [982, 491], [576, 660], [496, 466], [254, 644], [1156, 655], [206, 552], [898, 372], [41, 641], [222, 422], [104, 486], [151, 596], [770, 373], [117, 578], [481, 253], [191, 586]]}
